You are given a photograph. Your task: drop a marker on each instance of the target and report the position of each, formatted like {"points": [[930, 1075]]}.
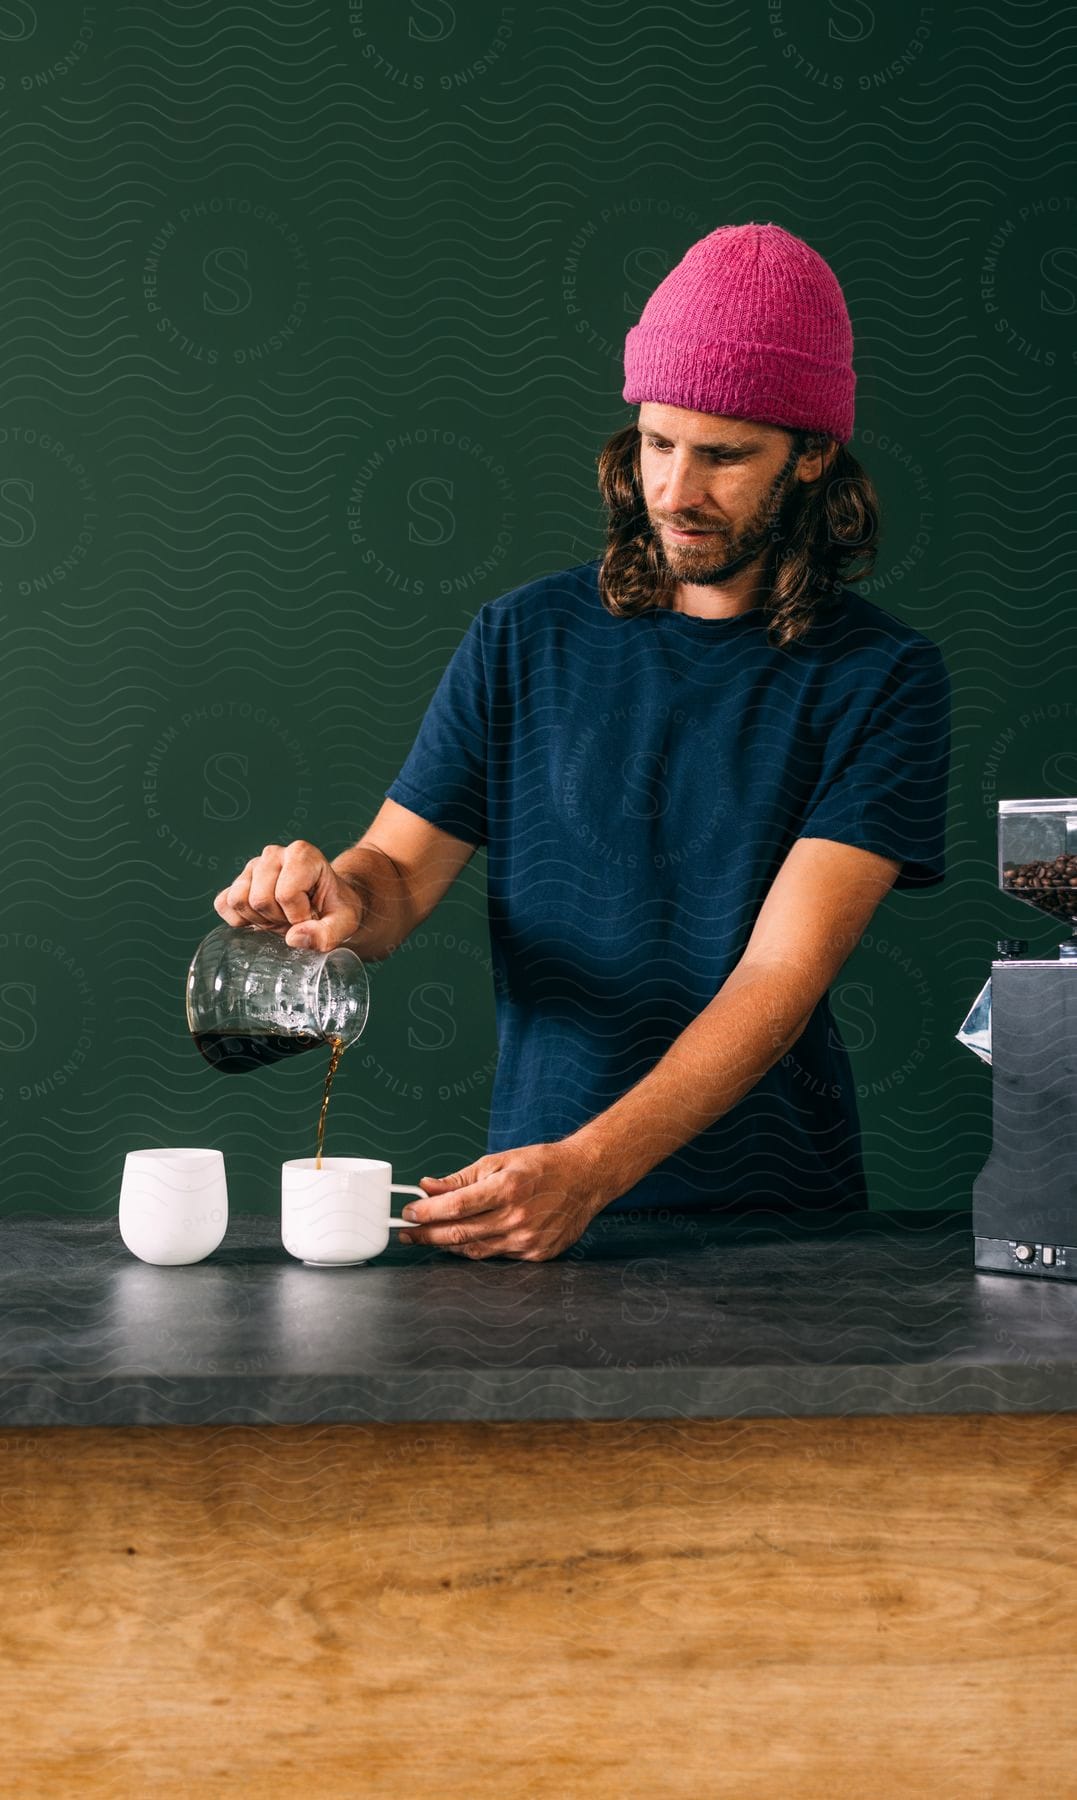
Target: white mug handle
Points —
{"points": [[400, 1188]]}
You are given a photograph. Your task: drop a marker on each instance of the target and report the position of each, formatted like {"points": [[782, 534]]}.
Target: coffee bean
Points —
{"points": [[1050, 886]]}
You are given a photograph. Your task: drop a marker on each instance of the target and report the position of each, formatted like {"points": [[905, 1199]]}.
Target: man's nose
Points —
{"points": [[683, 486]]}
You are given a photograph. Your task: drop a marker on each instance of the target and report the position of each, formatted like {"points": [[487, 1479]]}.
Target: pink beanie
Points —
{"points": [[751, 324]]}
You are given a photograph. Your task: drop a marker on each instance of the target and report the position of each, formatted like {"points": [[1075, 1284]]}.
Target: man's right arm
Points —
{"points": [[401, 867], [389, 882]]}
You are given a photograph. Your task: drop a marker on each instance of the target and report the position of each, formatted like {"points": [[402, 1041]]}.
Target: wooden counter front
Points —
{"points": [[604, 1610]]}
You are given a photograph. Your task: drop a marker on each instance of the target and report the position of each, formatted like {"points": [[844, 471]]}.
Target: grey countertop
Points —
{"points": [[676, 1315]]}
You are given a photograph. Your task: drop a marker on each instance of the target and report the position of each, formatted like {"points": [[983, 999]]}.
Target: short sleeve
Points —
{"points": [[885, 776], [443, 777]]}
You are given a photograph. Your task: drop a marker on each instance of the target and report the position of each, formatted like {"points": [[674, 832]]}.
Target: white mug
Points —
{"points": [[173, 1204], [338, 1214]]}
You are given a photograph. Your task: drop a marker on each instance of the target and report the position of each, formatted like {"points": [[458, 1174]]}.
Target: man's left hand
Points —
{"points": [[529, 1204]]}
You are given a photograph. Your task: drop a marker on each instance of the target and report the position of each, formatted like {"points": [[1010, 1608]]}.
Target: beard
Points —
{"points": [[715, 560]]}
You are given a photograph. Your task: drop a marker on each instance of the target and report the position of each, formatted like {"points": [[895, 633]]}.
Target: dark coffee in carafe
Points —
{"points": [[237, 1052]]}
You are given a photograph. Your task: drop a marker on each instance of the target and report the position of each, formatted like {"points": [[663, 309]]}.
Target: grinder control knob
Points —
{"points": [[1024, 1252]]}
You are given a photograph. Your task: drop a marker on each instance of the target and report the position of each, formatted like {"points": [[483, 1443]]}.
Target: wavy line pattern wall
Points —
{"points": [[312, 324]]}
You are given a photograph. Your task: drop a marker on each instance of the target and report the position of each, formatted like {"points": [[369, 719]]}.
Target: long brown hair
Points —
{"points": [[827, 534]]}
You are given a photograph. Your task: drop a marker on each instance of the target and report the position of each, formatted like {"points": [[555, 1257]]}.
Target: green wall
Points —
{"points": [[312, 327]]}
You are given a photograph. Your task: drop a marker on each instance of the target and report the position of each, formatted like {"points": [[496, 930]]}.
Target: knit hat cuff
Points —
{"points": [[769, 383]]}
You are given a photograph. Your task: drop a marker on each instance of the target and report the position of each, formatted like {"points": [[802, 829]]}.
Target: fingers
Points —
{"points": [[265, 873], [236, 904], [481, 1248], [478, 1211], [495, 1243], [227, 901], [468, 1201], [328, 930], [319, 934], [337, 907], [472, 1215], [292, 889], [478, 1170], [300, 882]]}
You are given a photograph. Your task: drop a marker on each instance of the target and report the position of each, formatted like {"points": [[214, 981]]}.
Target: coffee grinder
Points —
{"points": [[1024, 1024]]}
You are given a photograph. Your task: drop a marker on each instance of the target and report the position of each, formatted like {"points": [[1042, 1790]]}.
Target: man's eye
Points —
{"points": [[715, 455]]}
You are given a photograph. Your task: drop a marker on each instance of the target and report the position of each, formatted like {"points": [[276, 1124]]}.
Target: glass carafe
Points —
{"points": [[253, 1000]]}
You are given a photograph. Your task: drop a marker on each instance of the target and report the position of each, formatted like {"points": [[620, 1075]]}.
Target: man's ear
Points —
{"points": [[825, 450]]}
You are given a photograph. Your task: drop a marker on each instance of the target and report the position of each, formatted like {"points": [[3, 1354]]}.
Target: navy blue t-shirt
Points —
{"points": [[637, 784]]}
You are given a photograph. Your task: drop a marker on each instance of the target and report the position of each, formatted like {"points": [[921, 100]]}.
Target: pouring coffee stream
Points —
{"points": [[253, 1000], [334, 1064]]}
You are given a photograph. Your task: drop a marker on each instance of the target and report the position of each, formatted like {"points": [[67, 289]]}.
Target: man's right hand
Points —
{"points": [[294, 890]]}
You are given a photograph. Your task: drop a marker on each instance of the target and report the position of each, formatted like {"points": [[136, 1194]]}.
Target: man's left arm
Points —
{"points": [[535, 1201], [815, 913]]}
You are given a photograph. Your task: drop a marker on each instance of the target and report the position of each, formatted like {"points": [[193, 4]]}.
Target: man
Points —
{"points": [[698, 764]]}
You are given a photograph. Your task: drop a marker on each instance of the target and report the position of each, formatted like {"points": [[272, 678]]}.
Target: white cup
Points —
{"points": [[173, 1204], [338, 1214]]}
